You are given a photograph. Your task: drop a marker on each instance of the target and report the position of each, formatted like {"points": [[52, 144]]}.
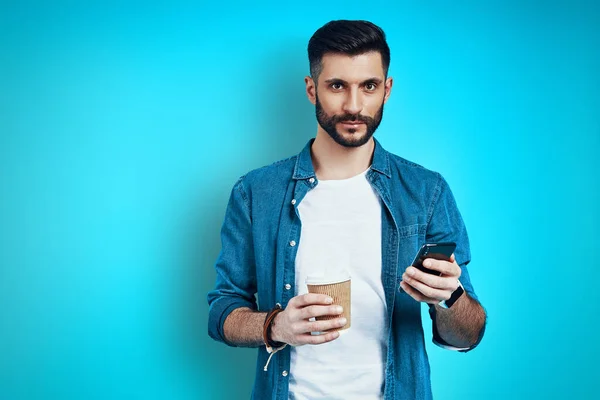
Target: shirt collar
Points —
{"points": [[304, 167]]}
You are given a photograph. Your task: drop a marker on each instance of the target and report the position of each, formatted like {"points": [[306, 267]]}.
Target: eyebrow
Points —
{"points": [[370, 80]]}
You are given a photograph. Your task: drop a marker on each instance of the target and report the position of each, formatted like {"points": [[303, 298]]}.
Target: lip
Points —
{"points": [[352, 123]]}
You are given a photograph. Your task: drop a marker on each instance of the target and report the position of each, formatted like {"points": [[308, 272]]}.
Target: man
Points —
{"points": [[343, 202]]}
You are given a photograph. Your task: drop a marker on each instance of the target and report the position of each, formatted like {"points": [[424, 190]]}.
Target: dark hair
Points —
{"points": [[346, 37]]}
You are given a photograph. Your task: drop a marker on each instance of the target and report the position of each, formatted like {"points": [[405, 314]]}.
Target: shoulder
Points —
{"points": [[412, 172], [270, 176]]}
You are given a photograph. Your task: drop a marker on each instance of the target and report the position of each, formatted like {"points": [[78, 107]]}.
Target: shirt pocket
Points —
{"points": [[408, 231]]}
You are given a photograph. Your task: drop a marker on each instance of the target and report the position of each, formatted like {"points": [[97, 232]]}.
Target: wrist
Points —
{"points": [[275, 329], [267, 328], [272, 346], [456, 295]]}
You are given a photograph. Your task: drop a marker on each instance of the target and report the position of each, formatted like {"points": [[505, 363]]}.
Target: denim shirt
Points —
{"points": [[255, 267]]}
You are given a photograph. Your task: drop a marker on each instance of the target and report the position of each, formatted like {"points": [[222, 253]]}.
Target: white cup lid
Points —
{"points": [[326, 280]]}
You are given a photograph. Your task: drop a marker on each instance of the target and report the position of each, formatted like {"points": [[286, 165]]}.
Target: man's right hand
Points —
{"points": [[292, 326]]}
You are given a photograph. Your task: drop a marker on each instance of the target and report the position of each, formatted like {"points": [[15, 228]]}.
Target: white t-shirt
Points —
{"points": [[341, 230]]}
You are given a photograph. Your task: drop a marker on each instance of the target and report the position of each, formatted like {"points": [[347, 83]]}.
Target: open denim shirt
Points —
{"points": [[255, 268]]}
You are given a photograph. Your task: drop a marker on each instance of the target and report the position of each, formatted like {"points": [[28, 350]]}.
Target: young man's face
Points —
{"points": [[349, 96]]}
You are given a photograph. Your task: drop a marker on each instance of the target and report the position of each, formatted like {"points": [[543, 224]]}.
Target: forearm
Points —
{"points": [[461, 324], [243, 327]]}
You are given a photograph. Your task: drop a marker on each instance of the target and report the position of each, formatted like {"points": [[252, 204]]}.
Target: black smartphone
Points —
{"points": [[439, 251]]}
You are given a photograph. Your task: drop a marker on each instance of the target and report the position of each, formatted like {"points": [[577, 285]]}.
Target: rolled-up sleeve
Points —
{"points": [[235, 266], [446, 225]]}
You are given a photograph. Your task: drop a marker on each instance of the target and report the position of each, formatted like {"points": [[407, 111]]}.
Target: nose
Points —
{"points": [[353, 103]]}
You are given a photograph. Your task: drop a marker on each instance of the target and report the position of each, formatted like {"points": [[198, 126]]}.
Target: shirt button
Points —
{"points": [[288, 286], [292, 243], [284, 373], [311, 180], [293, 201]]}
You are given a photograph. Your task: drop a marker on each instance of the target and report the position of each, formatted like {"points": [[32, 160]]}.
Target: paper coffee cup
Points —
{"points": [[339, 291]]}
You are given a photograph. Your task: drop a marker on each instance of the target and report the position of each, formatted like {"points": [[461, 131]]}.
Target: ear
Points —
{"points": [[388, 89], [311, 89]]}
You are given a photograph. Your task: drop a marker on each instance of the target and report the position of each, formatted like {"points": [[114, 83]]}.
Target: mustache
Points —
{"points": [[351, 117]]}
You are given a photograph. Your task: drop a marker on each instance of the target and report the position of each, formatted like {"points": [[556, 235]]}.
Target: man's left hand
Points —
{"points": [[429, 288]]}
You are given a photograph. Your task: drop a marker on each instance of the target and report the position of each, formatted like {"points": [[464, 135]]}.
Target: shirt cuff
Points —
{"points": [[448, 347]]}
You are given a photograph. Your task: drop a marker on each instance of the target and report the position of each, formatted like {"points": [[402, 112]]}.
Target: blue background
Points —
{"points": [[123, 127]]}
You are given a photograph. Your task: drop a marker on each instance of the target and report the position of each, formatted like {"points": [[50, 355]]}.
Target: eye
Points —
{"points": [[337, 86], [370, 86]]}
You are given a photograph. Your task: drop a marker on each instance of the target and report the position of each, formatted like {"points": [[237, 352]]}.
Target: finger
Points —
{"points": [[320, 339], [309, 299], [318, 311], [430, 292], [322, 326], [445, 267], [415, 294], [434, 281], [452, 258]]}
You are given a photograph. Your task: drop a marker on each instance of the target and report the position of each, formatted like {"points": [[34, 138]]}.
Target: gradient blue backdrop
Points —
{"points": [[123, 127]]}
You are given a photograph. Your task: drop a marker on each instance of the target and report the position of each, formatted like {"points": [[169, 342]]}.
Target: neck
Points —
{"points": [[333, 161]]}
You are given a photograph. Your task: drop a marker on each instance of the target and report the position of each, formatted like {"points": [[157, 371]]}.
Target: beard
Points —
{"points": [[328, 123]]}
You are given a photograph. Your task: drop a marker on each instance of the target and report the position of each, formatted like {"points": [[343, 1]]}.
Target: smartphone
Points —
{"points": [[439, 251]]}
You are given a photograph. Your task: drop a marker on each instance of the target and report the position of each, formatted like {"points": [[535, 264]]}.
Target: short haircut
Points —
{"points": [[346, 37]]}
